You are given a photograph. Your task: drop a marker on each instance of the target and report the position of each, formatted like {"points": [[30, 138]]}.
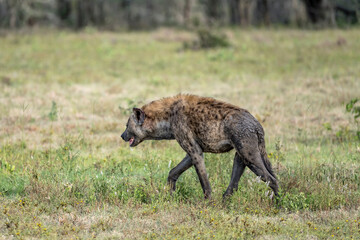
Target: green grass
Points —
{"points": [[65, 98]]}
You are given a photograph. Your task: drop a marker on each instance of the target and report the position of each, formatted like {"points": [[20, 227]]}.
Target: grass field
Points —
{"points": [[66, 174]]}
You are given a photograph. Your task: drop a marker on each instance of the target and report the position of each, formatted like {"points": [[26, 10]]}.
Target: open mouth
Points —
{"points": [[131, 141]]}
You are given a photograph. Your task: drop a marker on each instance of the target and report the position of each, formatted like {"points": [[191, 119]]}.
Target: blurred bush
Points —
{"points": [[207, 39]]}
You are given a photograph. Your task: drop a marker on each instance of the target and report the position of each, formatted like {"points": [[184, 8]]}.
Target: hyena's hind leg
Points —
{"points": [[175, 173], [266, 177], [264, 156], [249, 150], [237, 171]]}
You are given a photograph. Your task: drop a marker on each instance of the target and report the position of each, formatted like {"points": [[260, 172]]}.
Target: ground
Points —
{"points": [[65, 97]]}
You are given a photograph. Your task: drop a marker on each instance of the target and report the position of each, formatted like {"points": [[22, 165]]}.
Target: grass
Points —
{"points": [[65, 98]]}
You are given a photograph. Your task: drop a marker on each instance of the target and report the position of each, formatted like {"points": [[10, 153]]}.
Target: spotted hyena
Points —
{"points": [[201, 124]]}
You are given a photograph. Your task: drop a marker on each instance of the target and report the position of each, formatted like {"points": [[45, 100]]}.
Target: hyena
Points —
{"points": [[201, 124]]}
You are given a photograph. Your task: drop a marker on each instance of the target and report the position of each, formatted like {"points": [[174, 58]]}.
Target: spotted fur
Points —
{"points": [[199, 125]]}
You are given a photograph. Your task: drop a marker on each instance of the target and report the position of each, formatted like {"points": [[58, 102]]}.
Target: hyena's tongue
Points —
{"points": [[131, 141]]}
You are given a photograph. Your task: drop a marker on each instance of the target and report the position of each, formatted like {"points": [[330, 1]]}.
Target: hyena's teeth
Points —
{"points": [[131, 141]]}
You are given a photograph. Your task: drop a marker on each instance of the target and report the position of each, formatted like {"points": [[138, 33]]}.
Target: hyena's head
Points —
{"points": [[134, 132]]}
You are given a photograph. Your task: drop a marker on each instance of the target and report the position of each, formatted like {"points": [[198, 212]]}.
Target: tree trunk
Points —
{"points": [[187, 12], [101, 14], [234, 12], [265, 12], [244, 9]]}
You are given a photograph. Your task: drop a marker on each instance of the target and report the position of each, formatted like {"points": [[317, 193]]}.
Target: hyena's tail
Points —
{"points": [[264, 155]]}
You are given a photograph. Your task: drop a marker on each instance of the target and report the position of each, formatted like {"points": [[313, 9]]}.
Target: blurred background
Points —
{"points": [[72, 70], [149, 14]]}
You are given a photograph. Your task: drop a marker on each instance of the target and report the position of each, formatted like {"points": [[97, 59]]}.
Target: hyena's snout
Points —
{"points": [[127, 138], [124, 136]]}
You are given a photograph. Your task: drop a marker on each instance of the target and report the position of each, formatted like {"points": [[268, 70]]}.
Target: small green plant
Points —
{"points": [[53, 114], [277, 155], [354, 108], [327, 126], [7, 167]]}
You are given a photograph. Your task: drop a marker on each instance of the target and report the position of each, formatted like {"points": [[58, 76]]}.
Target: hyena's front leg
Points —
{"points": [[199, 163], [197, 159], [185, 137], [175, 173]]}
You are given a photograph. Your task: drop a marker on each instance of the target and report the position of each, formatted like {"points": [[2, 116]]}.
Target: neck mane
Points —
{"points": [[160, 109]]}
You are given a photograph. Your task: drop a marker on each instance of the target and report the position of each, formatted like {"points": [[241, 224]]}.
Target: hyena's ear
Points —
{"points": [[139, 115]]}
